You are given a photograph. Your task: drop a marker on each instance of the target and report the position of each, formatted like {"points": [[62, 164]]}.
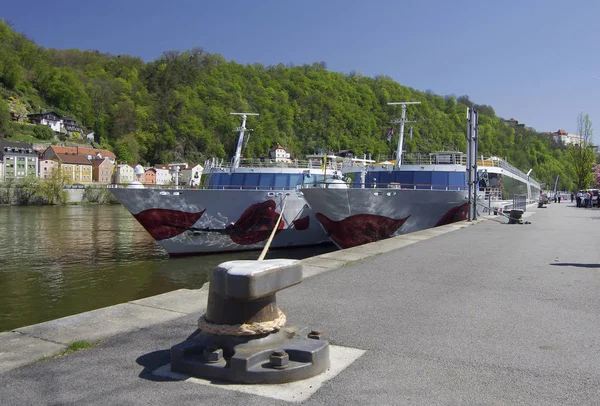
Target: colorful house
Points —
{"points": [[102, 170], [76, 168], [18, 160], [46, 166], [89, 153], [124, 174], [149, 176]]}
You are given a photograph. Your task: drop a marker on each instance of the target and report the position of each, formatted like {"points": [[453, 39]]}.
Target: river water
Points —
{"points": [[59, 261]]}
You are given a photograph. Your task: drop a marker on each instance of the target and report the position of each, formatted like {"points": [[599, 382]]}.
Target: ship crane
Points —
{"points": [[242, 129], [402, 120]]}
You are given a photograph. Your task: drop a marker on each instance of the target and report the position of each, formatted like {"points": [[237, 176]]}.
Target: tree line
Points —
{"points": [[177, 108]]}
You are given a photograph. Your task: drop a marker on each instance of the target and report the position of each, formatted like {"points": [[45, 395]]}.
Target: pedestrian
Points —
{"points": [[586, 199], [559, 196], [555, 197], [572, 196], [579, 197]]}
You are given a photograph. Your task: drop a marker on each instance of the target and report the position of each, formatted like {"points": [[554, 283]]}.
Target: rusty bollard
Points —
{"points": [[243, 336]]}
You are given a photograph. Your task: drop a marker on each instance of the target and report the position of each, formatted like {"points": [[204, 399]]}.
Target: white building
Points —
{"points": [[566, 138], [125, 174], [163, 176], [279, 154], [191, 176], [50, 118]]}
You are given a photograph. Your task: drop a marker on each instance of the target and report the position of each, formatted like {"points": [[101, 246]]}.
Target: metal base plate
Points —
{"points": [[248, 359]]}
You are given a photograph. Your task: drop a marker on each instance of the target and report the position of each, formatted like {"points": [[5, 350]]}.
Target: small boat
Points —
{"points": [[235, 208]]}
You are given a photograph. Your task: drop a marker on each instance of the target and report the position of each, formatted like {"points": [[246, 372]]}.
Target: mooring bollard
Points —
{"points": [[515, 216], [242, 337]]}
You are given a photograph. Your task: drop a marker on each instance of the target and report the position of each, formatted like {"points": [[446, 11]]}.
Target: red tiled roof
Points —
{"points": [[73, 159], [98, 162], [82, 151]]}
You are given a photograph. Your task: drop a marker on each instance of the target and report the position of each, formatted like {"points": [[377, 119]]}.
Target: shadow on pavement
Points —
{"points": [[157, 359], [576, 265], [152, 361]]}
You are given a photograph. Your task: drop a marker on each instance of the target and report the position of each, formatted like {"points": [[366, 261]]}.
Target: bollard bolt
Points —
{"points": [[279, 359], [212, 354], [315, 335]]}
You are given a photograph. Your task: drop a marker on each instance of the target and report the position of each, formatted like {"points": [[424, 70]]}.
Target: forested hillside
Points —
{"points": [[177, 108]]}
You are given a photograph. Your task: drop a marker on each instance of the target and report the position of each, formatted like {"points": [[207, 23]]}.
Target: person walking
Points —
{"points": [[572, 196]]}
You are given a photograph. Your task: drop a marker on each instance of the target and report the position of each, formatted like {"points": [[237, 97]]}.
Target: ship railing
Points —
{"points": [[436, 158], [501, 163], [212, 187], [272, 163], [392, 185]]}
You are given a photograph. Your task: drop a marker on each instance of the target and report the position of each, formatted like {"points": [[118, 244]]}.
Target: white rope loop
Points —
{"points": [[246, 329]]}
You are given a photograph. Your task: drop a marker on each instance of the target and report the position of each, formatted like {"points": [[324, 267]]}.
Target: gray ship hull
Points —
{"points": [[353, 217], [186, 222]]}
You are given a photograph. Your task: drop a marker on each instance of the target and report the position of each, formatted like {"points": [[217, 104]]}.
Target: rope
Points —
{"points": [[249, 329], [268, 244]]}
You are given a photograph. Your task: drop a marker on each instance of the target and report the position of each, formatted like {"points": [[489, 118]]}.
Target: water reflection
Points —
{"points": [[58, 261]]}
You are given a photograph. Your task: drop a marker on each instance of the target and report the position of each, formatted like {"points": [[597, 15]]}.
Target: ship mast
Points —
{"points": [[401, 121], [241, 129]]}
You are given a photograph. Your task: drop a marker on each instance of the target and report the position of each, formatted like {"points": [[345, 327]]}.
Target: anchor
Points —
{"points": [[243, 337]]}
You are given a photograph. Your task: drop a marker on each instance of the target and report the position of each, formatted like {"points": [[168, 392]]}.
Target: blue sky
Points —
{"points": [[535, 61]]}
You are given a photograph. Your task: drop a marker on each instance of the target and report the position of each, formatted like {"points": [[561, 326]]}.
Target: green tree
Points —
{"points": [[5, 120], [581, 154], [52, 188], [43, 132]]}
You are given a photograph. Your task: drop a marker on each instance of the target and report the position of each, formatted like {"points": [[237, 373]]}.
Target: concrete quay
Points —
{"points": [[470, 313]]}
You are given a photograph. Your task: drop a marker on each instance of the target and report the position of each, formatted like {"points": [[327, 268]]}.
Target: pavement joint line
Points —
{"points": [[156, 307], [36, 337]]}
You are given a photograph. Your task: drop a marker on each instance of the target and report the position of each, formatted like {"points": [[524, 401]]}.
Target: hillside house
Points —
{"points": [[566, 138], [279, 154], [57, 122]]}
